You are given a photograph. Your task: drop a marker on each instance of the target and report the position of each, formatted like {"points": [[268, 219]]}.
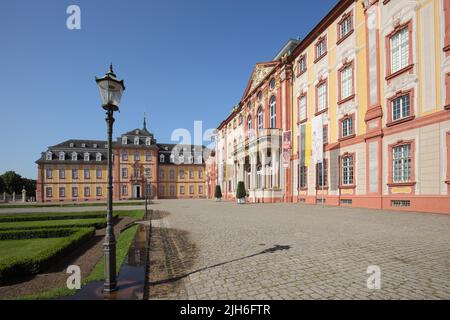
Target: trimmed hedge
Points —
{"points": [[33, 264], [37, 233], [70, 205], [53, 216], [33, 225]]}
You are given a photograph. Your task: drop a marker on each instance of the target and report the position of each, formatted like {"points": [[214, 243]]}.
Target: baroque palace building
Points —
{"points": [[76, 170], [376, 75]]}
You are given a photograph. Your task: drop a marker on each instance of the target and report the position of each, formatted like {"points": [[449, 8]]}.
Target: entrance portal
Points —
{"points": [[137, 192]]}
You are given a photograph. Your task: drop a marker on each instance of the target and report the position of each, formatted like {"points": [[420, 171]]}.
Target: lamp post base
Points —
{"points": [[110, 284]]}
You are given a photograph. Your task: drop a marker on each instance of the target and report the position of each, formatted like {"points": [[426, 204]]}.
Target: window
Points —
{"points": [[181, 174], [99, 174], [83, 145], [48, 156], [321, 48], [148, 172], [172, 190], [71, 144], [98, 191], [124, 172], [49, 174], [345, 27], [322, 174], [401, 107], [87, 191], [303, 177], [95, 145], [401, 164], [200, 160], [172, 174], [260, 119], [124, 156], [74, 192], [346, 82], [74, 174], [249, 126], [137, 156], [181, 189], [62, 156], [241, 119], [136, 140], [191, 174], [302, 112], [98, 157], [136, 172], [200, 189], [124, 140], [322, 102], [87, 174], [347, 170], [74, 156], [347, 127], [86, 156], [191, 189], [200, 174], [259, 96], [148, 141], [172, 158], [62, 192], [49, 192], [162, 158], [181, 159], [272, 84], [62, 174], [325, 134], [399, 49], [162, 190], [161, 173], [273, 112], [302, 65], [124, 190]]}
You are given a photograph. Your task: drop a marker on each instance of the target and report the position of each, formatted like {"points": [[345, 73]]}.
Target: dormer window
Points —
{"points": [[124, 140], [86, 156], [137, 132], [83, 145], [191, 159], [62, 156], [136, 140], [162, 158], [148, 141], [98, 157], [181, 159], [74, 156], [94, 145], [172, 158], [48, 156], [71, 145], [199, 159]]}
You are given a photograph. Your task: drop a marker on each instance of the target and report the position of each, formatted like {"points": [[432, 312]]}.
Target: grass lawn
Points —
{"points": [[124, 241], [75, 204], [20, 249]]}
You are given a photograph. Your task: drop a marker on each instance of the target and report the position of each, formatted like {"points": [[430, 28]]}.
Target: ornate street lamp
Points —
{"points": [[111, 90]]}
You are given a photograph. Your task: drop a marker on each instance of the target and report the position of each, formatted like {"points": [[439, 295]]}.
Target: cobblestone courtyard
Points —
{"points": [[208, 250]]}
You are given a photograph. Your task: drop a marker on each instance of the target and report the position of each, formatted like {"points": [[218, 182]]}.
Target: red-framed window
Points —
{"points": [[322, 96], [401, 164], [400, 107], [346, 80], [303, 177], [302, 102], [447, 25], [320, 48], [347, 127], [399, 50], [347, 170], [322, 174], [302, 66], [345, 27]]}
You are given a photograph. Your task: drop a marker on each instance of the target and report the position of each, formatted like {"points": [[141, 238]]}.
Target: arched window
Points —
{"points": [[62, 156], [148, 141], [272, 84], [86, 156], [241, 119], [124, 140], [74, 156], [249, 125], [136, 140], [48, 156], [273, 112], [161, 158], [98, 157], [260, 118]]}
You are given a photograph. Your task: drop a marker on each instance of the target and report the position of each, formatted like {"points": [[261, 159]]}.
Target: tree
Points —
{"points": [[240, 192], [2, 185], [218, 193], [13, 182], [30, 187]]}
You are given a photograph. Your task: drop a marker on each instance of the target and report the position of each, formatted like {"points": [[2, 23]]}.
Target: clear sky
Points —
{"points": [[181, 61]]}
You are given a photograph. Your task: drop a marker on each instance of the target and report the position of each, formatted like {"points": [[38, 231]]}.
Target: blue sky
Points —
{"points": [[181, 61]]}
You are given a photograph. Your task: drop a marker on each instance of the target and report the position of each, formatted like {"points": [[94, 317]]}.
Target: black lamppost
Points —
{"points": [[111, 90]]}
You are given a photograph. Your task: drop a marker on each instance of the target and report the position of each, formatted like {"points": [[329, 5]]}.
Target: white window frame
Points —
{"points": [[125, 140], [346, 82], [347, 127], [402, 163], [399, 43], [347, 170], [49, 156], [322, 97], [403, 107], [273, 112]]}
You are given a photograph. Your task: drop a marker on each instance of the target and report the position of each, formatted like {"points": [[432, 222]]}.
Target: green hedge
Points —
{"points": [[36, 233], [51, 216], [32, 225], [35, 263], [70, 205]]}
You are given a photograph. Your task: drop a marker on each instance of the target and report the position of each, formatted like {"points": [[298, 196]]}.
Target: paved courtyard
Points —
{"points": [[207, 250]]}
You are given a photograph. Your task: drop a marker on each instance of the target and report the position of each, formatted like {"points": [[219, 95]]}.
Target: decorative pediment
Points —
{"points": [[259, 73]]}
